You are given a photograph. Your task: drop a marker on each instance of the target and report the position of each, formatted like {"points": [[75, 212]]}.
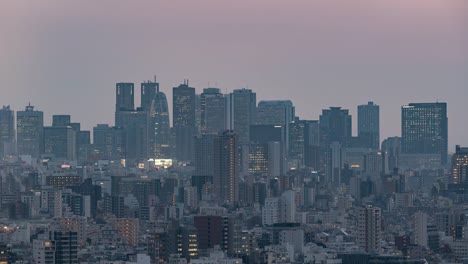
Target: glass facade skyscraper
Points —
{"points": [[29, 127], [184, 121], [369, 125], [424, 129]]}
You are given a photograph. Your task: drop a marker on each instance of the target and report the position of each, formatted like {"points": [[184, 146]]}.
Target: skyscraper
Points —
{"points": [[335, 126], [184, 120], [124, 97], [154, 102], [276, 112], [424, 129], [391, 149], [369, 125], [460, 165], [61, 120], [60, 141], [7, 130], [369, 229], [29, 126], [148, 94], [241, 107], [226, 167], [213, 108], [161, 127]]}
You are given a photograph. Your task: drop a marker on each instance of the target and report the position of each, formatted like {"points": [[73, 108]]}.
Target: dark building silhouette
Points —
{"points": [[184, 121], [124, 97], [424, 129], [369, 125], [335, 127], [213, 111], [61, 120], [226, 167], [460, 165], [29, 127], [241, 107], [7, 130]]}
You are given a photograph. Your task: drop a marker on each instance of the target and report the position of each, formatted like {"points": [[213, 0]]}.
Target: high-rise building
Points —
{"points": [[60, 141], [369, 229], [391, 149], [7, 130], [267, 153], [460, 165], [148, 94], [335, 126], [424, 129], [61, 120], [184, 120], [124, 97], [204, 155], [29, 127], [226, 167], [241, 108], [369, 125], [420, 229], [312, 143], [160, 129], [276, 112], [109, 142], [213, 111], [136, 126]]}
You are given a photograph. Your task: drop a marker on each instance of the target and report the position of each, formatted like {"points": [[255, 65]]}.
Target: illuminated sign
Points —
{"points": [[163, 163]]}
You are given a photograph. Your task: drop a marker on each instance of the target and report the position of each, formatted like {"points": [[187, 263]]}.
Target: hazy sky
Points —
{"points": [[66, 56]]}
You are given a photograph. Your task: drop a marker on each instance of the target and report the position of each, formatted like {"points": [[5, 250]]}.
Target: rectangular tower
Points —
{"points": [[29, 126], [184, 120], [424, 129], [369, 125]]}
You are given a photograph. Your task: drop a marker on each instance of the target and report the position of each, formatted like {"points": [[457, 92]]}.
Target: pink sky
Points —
{"points": [[65, 56]]}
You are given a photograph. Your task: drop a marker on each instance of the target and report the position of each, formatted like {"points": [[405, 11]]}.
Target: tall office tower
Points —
{"points": [[161, 127], [420, 229], [226, 167], [335, 126], [204, 155], [460, 165], [184, 120], [424, 129], [124, 97], [267, 153], [296, 141], [213, 108], [83, 144], [369, 229], [148, 94], [391, 149], [276, 112], [198, 117], [240, 109], [369, 125], [7, 131], [312, 144], [61, 120], [60, 141], [136, 126], [154, 103], [29, 127]]}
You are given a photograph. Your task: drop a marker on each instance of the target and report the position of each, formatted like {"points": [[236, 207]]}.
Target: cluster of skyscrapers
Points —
{"points": [[246, 178]]}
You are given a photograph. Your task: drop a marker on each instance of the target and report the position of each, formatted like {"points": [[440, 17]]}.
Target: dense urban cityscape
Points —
{"points": [[232, 180]]}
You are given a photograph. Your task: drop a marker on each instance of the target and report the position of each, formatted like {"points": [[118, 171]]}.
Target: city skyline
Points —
{"points": [[317, 55]]}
